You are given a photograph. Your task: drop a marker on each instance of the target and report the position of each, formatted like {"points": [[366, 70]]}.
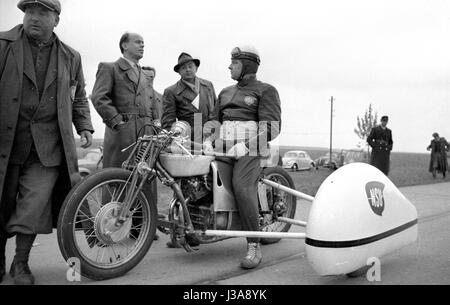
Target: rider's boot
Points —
{"points": [[253, 257]]}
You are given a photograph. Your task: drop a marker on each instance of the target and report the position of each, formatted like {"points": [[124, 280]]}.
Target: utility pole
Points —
{"points": [[331, 133]]}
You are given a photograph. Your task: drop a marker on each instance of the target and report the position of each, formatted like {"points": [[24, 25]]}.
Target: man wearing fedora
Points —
{"points": [[380, 139], [249, 113], [191, 99], [41, 95]]}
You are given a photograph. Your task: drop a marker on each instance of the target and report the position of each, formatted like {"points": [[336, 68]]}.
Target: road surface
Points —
{"points": [[425, 262]]}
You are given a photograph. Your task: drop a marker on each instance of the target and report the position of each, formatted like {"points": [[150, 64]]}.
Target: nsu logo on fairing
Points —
{"points": [[374, 192]]}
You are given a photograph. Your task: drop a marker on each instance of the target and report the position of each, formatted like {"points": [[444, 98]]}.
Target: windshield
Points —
{"points": [[290, 155]]}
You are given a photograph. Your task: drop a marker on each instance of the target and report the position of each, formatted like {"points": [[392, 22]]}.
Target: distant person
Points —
{"points": [[189, 96], [438, 161], [380, 139], [155, 96]]}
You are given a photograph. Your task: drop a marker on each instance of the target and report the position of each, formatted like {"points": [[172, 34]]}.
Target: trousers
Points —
{"points": [[246, 172], [26, 205]]}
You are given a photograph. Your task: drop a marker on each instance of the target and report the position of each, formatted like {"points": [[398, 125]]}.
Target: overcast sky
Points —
{"points": [[393, 54]]}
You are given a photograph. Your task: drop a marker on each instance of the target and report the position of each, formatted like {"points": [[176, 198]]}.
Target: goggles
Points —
{"points": [[236, 53]]}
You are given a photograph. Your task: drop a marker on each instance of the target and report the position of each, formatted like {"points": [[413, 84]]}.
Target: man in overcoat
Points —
{"points": [[123, 97], [41, 95], [380, 139]]}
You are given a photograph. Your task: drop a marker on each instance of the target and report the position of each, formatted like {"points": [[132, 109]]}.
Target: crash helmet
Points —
{"points": [[246, 52]]}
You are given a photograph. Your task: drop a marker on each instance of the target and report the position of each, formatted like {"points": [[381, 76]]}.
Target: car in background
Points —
{"points": [[341, 158], [353, 155], [91, 162], [325, 161], [297, 160]]}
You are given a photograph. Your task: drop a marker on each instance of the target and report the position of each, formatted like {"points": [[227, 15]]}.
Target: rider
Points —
{"points": [[250, 115]]}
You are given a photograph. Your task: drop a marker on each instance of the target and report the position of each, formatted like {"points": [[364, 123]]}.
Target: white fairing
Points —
{"points": [[358, 213]]}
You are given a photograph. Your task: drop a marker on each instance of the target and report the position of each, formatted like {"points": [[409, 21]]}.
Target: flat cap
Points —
{"points": [[52, 5]]}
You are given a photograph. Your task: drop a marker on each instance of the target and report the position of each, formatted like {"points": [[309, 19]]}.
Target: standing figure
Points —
{"points": [[380, 139], [155, 96], [249, 113], [438, 162], [191, 99], [41, 95], [121, 97]]}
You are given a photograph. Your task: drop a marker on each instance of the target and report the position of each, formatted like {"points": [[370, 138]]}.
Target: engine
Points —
{"points": [[198, 191]]}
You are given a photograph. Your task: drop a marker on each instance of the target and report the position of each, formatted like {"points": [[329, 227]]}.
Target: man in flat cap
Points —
{"points": [[380, 139], [191, 99], [250, 116], [41, 95]]}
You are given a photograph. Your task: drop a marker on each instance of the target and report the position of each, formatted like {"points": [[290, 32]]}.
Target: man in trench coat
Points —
{"points": [[123, 97], [41, 95], [380, 139]]}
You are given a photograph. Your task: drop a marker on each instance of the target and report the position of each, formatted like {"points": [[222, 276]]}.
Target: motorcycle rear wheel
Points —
{"points": [[86, 225], [282, 177]]}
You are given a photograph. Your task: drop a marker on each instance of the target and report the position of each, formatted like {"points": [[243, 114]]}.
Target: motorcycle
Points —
{"points": [[108, 220]]}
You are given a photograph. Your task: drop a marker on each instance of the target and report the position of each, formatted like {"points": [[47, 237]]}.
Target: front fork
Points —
{"points": [[148, 174]]}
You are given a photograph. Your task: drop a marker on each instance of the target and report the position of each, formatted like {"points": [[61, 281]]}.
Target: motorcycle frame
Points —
{"points": [[259, 234], [148, 174]]}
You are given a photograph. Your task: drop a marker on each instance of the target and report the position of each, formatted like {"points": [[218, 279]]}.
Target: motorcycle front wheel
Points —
{"points": [[88, 229]]}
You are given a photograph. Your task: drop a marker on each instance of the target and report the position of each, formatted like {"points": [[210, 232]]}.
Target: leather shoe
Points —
{"points": [[21, 273]]}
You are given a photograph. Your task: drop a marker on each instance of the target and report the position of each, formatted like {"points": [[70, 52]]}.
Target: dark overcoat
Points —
{"points": [[381, 142], [438, 159], [119, 94], [72, 107], [177, 104]]}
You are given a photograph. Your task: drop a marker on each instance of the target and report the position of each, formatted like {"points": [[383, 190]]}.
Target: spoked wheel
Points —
{"points": [[281, 203], [88, 228]]}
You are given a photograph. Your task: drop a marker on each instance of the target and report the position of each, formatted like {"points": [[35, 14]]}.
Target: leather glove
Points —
{"points": [[239, 150], [208, 148]]}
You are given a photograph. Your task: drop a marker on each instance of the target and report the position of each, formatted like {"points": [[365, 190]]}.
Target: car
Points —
{"points": [[354, 155], [297, 160], [92, 161], [324, 161], [338, 159]]}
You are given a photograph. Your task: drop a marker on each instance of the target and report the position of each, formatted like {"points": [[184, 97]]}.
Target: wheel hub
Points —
{"points": [[107, 227]]}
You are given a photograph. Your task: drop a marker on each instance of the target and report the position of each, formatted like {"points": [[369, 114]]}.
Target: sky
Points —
{"points": [[394, 55]]}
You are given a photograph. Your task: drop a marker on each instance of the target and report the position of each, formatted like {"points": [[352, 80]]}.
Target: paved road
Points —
{"points": [[425, 262]]}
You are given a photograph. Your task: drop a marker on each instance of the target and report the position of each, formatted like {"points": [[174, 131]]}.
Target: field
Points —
{"points": [[406, 169]]}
